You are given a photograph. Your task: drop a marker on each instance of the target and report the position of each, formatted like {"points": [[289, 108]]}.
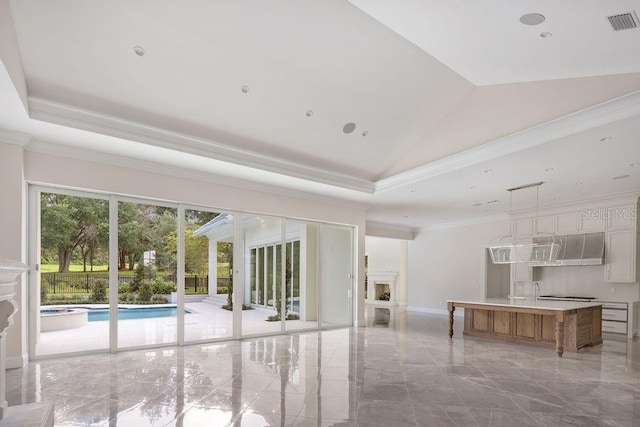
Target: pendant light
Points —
{"points": [[542, 249]]}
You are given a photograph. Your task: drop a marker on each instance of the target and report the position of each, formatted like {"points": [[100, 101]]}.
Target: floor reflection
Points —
{"points": [[399, 370]]}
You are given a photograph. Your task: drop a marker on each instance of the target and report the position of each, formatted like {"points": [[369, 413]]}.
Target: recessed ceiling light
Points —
{"points": [[545, 35], [635, 164], [139, 50], [365, 133], [579, 183], [349, 127], [488, 170], [532, 19], [477, 204], [244, 89], [606, 138], [413, 191], [473, 187], [621, 177], [309, 113], [548, 169], [406, 216]]}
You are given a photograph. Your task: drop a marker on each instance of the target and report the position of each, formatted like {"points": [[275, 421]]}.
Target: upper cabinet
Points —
{"points": [[585, 221], [545, 225], [567, 223], [619, 221], [523, 227], [619, 217], [620, 256], [592, 220]]}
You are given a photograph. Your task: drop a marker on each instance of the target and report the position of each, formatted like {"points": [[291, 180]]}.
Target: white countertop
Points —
{"points": [[531, 303]]}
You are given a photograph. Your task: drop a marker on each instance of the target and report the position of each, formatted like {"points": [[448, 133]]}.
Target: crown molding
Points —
{"points": [[607, 112], [467, 222], [78, 153], [66, 115], [15, 138], [392, 231]]}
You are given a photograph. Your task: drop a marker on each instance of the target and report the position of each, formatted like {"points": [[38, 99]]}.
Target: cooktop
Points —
{"points": [[568, 297]]}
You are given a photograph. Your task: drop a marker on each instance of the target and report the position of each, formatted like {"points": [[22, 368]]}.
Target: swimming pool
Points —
{"points": [[98, 315]]}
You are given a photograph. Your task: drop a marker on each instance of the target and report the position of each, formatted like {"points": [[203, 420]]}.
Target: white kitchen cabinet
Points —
{"points": [[615, 327], [567, 223], [620, 317], [619, 217], [546, 225], [620, 256], [592, 220], [522, 227]]}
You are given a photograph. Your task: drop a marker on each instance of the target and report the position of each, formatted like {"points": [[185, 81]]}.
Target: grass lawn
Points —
{"points": [[53, 268], [223, 269]]}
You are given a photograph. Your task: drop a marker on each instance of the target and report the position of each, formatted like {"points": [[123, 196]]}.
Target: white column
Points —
{"points": [[213, 267], [403, 278], [13, 244]]}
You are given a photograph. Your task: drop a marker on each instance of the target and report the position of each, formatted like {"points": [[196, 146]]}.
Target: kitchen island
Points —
{"points": [[563, 325]]}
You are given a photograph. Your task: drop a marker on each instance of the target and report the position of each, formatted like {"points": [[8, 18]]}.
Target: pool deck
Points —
{"points": [[205, 321]]}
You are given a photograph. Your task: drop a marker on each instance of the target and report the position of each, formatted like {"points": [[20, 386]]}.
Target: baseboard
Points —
{"points": [[17, 361], [458, 313]]}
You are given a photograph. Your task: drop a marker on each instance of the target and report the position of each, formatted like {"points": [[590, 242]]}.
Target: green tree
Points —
{"points": [[69, 222]]}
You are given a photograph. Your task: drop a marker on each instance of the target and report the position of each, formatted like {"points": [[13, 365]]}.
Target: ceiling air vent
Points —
{"points": [[625, 21]]}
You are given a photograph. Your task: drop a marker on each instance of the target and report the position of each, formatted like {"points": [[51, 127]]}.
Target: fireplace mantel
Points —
{"points": [[36, 414], [382, 278]]}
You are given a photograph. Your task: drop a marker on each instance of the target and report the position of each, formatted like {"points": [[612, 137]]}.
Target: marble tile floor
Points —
{"points": [[402, 373]]}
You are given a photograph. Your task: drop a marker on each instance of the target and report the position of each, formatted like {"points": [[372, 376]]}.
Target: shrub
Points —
{"points": [[137, 278], [99, 290], [145, 291], [159, 299], [66, 299], [162, 287], [124, 288], [43, 291]]}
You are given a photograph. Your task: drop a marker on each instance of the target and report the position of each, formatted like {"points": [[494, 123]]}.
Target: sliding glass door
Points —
{"points": [[208, 278], [301, 276], [262, 240], [123, 273], [72, 233], [147, 274], [336, 275]]}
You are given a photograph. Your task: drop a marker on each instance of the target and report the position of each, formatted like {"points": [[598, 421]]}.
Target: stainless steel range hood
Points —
{"points": [[576, 249]]}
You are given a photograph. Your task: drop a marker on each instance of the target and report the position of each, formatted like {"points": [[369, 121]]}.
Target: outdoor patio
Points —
{"points": [[205, 321]]}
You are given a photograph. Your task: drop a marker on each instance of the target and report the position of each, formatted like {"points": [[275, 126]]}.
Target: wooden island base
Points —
{"points": [[561, 329]]}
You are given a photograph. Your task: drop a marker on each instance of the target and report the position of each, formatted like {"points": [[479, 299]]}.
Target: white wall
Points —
{"points": [[449, 264], [383, 254]]}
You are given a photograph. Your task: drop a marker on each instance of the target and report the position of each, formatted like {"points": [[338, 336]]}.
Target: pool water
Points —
{"points": [[97, 315]]}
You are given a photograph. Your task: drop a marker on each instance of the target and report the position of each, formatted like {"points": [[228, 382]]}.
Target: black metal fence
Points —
{"points": [[80, 283]]}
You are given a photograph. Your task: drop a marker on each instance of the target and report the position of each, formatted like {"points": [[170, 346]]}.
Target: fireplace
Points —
{"points": [[381, 288], [383, 292]]}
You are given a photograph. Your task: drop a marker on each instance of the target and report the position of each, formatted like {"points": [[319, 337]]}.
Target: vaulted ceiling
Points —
{"points": [[435, 92]]}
